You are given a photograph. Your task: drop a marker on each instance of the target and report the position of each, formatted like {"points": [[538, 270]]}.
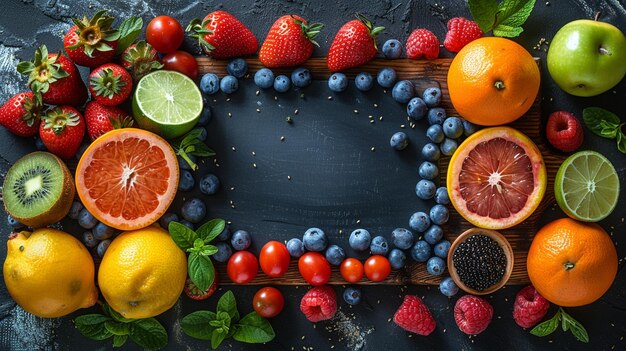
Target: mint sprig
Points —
{"points": [[567, 323], [225, 323], [606, 124], [129, 30], [504, 18], [191, 145]]}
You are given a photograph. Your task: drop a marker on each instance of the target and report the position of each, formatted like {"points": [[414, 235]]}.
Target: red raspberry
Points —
{"points": [[319, 303], [564, 131], [413, 315], [460, 32], [472, 314], [529, 307], [422, 42]]}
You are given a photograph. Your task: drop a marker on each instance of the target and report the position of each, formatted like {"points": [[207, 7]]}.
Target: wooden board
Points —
{"points": [[424, 74]]}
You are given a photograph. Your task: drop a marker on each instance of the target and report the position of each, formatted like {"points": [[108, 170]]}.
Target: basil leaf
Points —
{"points": [[119, 340], [621, 142], [228, 304], [484, 13], [211, 229], [182, 236], [569, 323], [547, 327], [217, 338], [598, 119], [201, 270], [92, 326], [254, 329], [129, 30], [148, 333], [117, 328], [196, 324]]}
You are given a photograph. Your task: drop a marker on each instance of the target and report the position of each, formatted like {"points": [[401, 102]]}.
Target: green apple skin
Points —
{"points": [[587, 58]]}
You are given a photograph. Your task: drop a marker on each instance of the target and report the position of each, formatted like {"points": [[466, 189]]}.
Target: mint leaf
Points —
{"points": [[92, 326], [600, 121], [254, 329], [507, 31], [228, 304], [211, 229], [182, 236], [129, 30], [484, 13], [505, 19], [547, 327], [117, 328], [201, 270], [217, 338], [514, 13], [208, 250], [148, 333], [113, 314], [197, 324], [621, 142], [119, 340], [608, 130], [569, 323]]}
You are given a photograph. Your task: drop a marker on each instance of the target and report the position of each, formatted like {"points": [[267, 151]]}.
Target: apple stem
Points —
{"points": [[597, 16]]}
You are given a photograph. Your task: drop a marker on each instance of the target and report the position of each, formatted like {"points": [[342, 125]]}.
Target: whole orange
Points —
{"points": [[572, 263], [493, 81]]}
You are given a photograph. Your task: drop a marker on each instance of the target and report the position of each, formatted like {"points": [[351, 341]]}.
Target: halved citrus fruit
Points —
{"points": [[127, 178], [496, 178]]}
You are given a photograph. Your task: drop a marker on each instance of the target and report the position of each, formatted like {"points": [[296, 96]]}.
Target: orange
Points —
{"points": [[493, 81], [572, 263], [127, 178]]}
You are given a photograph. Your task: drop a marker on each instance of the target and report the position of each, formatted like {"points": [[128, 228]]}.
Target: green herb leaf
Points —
{"points": [[208, 250], [191, 145], [92, 326], [148, 333], [201, 270], [484, 13], [119, 340], [569, 323], [621, 142], [217, 338], [117, 328], [514, 13], [228, 304], [608, 130], [600, 121], [505, 19], [197, 324], [507, 31], [129, 30], [547, 327], [182, 235], [211, 229], [254, 329]]}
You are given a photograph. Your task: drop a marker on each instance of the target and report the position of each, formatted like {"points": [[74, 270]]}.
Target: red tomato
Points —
{"points": [[377, 268], [165, 34], [274, 258], [268, 302], [351, 270], [314, 268], [242, 267], [183, 62]]}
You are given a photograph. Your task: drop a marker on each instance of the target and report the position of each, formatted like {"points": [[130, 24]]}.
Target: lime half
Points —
{"points": [[167, 103], [586, 186]]}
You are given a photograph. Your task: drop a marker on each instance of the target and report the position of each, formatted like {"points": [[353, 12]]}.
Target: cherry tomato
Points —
{"points": [[314, 268], [274, 258], [268, 302], [194, 293], [377, 268], [183, 62], [242, 267], [351, 270], [165, 34]]}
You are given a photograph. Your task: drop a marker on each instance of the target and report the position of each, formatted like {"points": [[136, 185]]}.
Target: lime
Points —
{"points": [[167, 103], [586, 186]]}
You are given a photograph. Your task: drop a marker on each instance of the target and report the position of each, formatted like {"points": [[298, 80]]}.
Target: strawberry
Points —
{"points": [[414, 316], [20, 114], [101, 119], [289, 42], [564, 131], [529, 307], [472, 314], [62, 130], [110, 84], [460, 32], [422, 42], [55, 77], [140, 59], [91, 42], [194, 293], [222, 36], [354, 44], [319, 303]]}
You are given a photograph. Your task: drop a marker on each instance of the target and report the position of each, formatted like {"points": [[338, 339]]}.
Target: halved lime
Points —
{"points": [[167, 103], [586, 186]]}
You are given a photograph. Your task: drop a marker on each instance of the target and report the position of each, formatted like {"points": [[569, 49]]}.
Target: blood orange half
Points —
{"points": [[496, 178], [127, 178]]}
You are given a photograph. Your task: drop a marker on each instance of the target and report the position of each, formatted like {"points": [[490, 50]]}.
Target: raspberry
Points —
{"points": [[529, 307], [422, 42], [319, 303], [413, 315], [564, 131], [460, 32], [472, 314]]}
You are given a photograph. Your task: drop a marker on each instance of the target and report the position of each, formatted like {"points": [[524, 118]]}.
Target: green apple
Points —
{"points": [[587, 58]]}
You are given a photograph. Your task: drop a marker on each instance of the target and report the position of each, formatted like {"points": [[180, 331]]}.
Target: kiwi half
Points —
{"points": [[38, 189]]}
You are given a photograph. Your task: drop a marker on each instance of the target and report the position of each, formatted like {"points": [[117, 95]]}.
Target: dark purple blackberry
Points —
{"points": [[480, 262]]}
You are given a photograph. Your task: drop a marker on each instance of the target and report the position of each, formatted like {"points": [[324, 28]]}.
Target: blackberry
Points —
{"points": [[480, 262]]}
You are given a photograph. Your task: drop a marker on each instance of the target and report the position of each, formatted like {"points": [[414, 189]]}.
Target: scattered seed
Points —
{"points": [[356, 111], [373, 149], [288, 177], [233, 148], [289, 119], [258, 92], [227, 99], [282, 138], [330, 98], [254, 165], [376, 105], [295, 112], [258, 110], [230, 114], [402, 126]]}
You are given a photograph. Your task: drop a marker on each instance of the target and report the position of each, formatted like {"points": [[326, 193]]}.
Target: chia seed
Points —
{"points": [[480, 262]]}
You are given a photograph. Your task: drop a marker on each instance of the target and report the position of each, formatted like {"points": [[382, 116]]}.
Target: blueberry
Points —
{"points": [[364, 81], [39, 144], [225, 234], [165, 220], [399, 141], [436, 115], [386, 77], [209, 184], [89, 240], [379, 246], [295, 247], [241, 240], [431, 152], [187, 224], [14, 223], [425, 189], [352, 295], [102, 231], [439, 214], [441, 196], [448, 287], [419, 222], [210, 83], [315, 239], [392, 49], [335, 255], [360, 240], [442, 248], [428, 170], [403, 91], [338, 82], [237, 67], [75, 210], [469, 128], [182, 164], [205, 115], [86, 219], [435, 133], [435, 265], [224, 251], [432, 96], [186, 181], [102, 247], [264, 78], [420, 252], [301, 77], [416, 109], [402, 238], [193, 210], [229, 84], [448, 146], [453, 127], [203, 135], [433, 234], [282, 83], [397, 259]]}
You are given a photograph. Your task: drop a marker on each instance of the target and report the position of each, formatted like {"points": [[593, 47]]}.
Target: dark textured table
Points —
{"points": [[336, 179]]}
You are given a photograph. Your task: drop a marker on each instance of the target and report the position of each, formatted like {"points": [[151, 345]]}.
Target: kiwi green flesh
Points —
{"points": [[38, 189]]}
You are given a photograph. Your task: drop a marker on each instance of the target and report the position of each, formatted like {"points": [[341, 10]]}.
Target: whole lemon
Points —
{"points": [[49, 273], [142, 273]]}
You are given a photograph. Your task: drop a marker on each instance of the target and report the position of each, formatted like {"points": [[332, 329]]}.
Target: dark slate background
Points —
{"points": [[336, 179]]}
